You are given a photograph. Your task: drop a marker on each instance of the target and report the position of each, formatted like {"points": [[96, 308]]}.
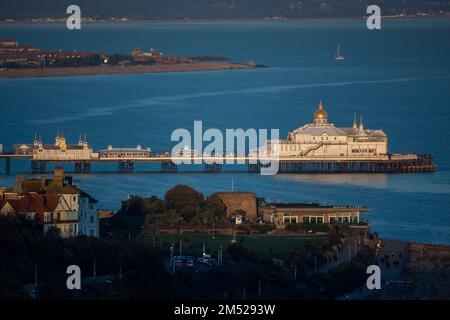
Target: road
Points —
{"points": [[391, 259]]}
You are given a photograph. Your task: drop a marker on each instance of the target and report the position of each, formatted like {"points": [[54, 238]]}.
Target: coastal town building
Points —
{"points": [[239, 204], [282, 214], [14, 55], [156, 57], [322, 139], [8, 43], [245, 206], [51, 203]]}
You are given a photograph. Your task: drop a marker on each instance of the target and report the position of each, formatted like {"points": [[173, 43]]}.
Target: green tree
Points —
{"points": [[170, 218], [153, 206], [204, 218], [184, 200], [216, 205]]}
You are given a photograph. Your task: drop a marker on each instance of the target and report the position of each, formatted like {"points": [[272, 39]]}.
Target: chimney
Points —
{"points": [[59, 171], [42, 180], [59, 176], [18, 185]]}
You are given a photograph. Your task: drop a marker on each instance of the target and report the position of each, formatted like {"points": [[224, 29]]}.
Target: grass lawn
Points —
{"points": [[193, 243]]}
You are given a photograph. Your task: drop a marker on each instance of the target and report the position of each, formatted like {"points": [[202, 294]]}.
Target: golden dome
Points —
{"points": [[320, 112]]}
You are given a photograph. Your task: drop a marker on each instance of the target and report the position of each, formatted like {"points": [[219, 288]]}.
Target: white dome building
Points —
{"points": [[322, 139]]}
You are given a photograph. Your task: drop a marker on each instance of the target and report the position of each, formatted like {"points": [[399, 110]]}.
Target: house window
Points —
{"points": [[305, 219], [313, 220], [290, 219], [47, 216], [319, 219], [92, 219], [30, 216]]}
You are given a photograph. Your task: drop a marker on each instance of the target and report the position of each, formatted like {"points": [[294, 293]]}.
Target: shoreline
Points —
{"points": [[136, 69], [225, 20]]}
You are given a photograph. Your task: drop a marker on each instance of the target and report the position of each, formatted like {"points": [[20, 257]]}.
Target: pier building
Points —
{"points": [[316, 147], [59, 151], [322, 139], [132, 153]]}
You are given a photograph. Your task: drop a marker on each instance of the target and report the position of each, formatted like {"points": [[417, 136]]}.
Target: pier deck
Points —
{"points": [[397, 163]]}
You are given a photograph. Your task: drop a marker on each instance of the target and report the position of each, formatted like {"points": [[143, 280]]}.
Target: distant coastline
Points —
{"points": [[134, 69], [56, 21]]}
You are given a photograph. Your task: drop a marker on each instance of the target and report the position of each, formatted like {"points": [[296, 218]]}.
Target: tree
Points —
{"points": [[153, 206], [132, 206], [218, 208], [184, 200], [136, 205], [204, 218], [170, 218]]}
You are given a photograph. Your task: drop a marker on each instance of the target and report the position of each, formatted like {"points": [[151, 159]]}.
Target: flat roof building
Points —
{"points": [[310, 213]]}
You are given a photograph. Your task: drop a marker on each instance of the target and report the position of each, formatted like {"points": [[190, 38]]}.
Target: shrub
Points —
{"points": [[314, 228], [264, 228], [293, 228], [308, 228]]}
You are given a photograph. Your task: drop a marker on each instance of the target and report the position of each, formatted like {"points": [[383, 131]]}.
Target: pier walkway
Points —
{"points": [[408, 163]]}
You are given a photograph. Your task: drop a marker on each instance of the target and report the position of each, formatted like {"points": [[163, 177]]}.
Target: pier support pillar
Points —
{"points": [[34, 166], [7, 166], [256, 167], [87, 167], [169, 167], [78, 167], [126, 166], [38, 166], [253, 167], [213, 168]]}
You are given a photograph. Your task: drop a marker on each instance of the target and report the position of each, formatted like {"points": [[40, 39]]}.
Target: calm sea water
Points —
{"points": [[399, 78]]}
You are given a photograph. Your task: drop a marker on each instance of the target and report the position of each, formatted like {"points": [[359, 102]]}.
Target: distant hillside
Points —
{"points": [[215, 9]]}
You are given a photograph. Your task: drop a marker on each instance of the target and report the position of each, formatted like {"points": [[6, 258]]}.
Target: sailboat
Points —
{"points": [[338, 54]]}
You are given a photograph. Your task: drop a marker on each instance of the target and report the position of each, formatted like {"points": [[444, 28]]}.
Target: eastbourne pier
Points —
{"points": [[316, 147], [83, 157]]}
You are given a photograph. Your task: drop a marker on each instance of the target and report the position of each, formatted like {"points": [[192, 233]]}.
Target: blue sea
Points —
{"points": [[397, 77]]}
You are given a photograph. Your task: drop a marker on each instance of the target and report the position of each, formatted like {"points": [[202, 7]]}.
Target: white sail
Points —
{"points": [[338, 53]]}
